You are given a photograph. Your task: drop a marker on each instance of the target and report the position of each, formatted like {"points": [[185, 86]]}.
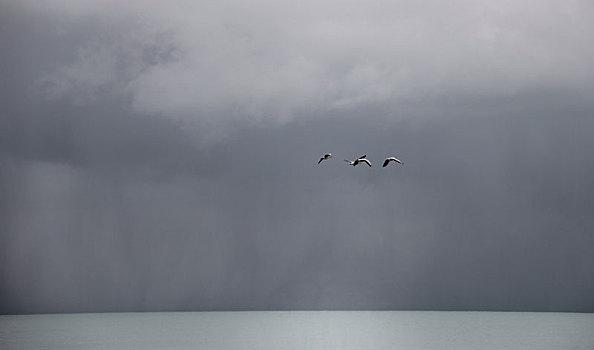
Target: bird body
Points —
{"points": [[325, 157], [364, 160], [391, 159]]}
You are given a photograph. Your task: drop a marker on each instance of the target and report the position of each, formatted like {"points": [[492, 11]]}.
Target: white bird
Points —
{"points": [[325, 157], [361, 159], [364, 160], [391, 159]]}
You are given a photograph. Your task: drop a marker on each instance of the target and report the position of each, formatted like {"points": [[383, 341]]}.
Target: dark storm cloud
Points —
{"points": [[485, 214], [142, 169]]}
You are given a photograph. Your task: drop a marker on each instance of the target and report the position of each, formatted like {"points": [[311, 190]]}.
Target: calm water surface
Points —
{"points": [[299, 330]]}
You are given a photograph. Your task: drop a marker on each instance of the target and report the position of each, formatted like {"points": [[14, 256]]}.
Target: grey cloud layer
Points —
{"points": [[270, 61]]}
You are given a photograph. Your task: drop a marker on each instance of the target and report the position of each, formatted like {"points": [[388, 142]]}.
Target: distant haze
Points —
{"points": [[163, 156]]}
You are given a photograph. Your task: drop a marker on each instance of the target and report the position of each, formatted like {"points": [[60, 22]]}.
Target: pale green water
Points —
{"points": [[299, 330]]}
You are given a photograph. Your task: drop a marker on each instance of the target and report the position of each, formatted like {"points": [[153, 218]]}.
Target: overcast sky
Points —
{"points": [[163, 155]]}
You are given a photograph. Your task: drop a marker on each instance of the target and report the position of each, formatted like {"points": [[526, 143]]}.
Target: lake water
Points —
{"points": [[299, 330]]}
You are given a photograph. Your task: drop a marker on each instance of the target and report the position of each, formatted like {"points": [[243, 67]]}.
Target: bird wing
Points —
{"points": [[366, 161], [386, 162], [362, 157], [321, 159]]}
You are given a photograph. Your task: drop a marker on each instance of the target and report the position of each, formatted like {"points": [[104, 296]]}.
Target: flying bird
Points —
{"points": [[325, 157], [391, 159], [361, 159]]}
